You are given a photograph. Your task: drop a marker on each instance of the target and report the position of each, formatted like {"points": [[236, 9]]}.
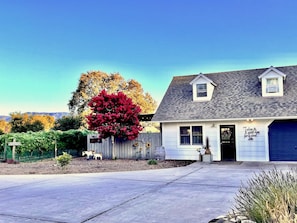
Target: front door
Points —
{"points": [[228, 150]]}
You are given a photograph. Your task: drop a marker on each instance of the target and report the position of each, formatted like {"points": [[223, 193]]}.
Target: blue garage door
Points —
{"points": [[283, 141]]}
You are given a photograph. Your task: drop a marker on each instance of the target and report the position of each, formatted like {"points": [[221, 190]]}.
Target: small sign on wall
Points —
{"points": [[95, 140], [250, 133]]}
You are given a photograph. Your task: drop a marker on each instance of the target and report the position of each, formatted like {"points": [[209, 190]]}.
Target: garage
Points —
{"points": [[283, 140]]}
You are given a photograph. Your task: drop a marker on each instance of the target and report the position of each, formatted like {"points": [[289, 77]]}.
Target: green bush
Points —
{"points": [[270, 196], [152, 162], [68, 122], [39, 144], [64, 160]]}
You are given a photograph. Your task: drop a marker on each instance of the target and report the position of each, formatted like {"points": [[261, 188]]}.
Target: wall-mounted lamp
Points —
{"points": [[249, 120]]}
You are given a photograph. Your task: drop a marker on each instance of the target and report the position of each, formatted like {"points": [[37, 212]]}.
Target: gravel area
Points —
{"points": [[82, 165]]}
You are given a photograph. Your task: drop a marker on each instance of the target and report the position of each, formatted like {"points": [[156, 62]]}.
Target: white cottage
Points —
{"points": [[248, 115]]}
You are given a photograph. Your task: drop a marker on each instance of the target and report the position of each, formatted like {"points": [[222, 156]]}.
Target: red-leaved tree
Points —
{"points": [[114, 115]]}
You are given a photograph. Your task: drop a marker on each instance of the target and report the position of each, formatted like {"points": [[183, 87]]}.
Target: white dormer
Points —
{"points": [[202, 88], [272, 82]]}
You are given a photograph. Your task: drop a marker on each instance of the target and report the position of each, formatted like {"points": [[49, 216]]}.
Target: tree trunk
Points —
{"points": [[112, 148]]}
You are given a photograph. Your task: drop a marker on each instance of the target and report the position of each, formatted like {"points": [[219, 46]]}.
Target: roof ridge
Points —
{"points": [[231, 71]]}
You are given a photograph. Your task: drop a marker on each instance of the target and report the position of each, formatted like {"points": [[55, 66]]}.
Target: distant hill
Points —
{"points": [[4, 117], [57, 115]]}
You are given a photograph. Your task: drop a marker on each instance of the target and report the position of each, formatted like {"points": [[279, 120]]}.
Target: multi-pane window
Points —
{"points": [[196, 135], [191, 135], [185, 135], [201, 90], [272, 85]]}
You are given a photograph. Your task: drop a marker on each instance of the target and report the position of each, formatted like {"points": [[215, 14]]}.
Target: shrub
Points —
{"points": [[152, 162], [40, 143], [64, 160], [270, 196], [68, 122]]}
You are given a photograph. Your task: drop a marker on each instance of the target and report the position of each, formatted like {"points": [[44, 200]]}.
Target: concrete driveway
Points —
{"points": [[196, 193]]}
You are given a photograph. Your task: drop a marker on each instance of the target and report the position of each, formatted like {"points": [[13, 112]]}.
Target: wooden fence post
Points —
{"points": [[14, 143]]}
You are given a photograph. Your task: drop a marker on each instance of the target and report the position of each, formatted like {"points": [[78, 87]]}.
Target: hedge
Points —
{"points": [[71, 141]]}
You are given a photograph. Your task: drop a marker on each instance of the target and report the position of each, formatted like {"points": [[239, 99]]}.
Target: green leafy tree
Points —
{"points": [[68, 122], [34, 126], [19, 122], [23, 122], [93, 82]]}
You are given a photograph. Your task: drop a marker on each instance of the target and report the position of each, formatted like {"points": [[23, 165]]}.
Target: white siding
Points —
{"points": [[173, 149], [211, 131], [272, 74], [256, 149], [209, 87]]}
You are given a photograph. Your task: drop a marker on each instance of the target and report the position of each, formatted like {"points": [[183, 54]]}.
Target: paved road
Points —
{"points": [[196, 193]]}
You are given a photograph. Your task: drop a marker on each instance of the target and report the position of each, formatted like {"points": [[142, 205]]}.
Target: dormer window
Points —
{"points": [[272, 85], [272, 82], [201, 90]]}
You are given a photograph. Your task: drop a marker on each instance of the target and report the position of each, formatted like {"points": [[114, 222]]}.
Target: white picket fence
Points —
{"points": [[146, 146]]}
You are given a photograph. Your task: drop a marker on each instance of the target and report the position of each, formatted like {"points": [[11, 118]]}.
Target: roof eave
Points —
{"points": [[272, 69], [227, 119], [204, 77]]}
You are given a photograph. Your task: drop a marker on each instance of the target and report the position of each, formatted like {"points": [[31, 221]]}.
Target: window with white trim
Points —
{"points": [[201, 90], [196, 135], [272, 85], [191, 135]]}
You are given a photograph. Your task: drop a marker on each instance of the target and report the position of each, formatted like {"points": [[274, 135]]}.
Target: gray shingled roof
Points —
{"points": [[238, 95]]}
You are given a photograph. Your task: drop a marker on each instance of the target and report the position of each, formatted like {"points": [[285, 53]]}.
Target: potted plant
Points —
{"points": [[200, 150], [207, 156]]}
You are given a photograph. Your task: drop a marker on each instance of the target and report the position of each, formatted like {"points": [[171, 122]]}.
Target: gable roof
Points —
{"points": [[199, 76], [275, 71], [236, 96]]}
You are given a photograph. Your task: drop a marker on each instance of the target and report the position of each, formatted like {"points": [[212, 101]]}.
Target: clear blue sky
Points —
{"points": [[45, 45]]}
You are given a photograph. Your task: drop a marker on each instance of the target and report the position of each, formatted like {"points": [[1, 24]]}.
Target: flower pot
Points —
{"points": [[207, 158], [199, 157]]}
